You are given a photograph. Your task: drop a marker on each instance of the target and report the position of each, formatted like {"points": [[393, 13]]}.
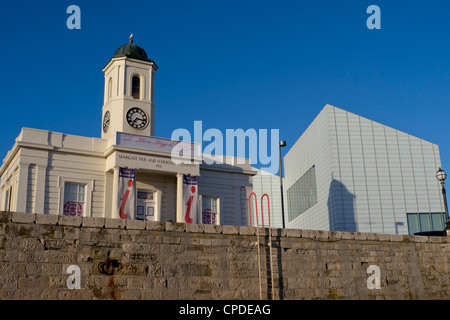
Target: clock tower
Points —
{"points": [[128, 98]]}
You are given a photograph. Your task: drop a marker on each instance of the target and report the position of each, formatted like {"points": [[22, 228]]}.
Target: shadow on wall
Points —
{"points": [[341, 208]]}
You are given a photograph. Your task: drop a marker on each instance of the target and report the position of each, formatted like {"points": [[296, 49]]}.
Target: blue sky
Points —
{"points": [[232, 64]]}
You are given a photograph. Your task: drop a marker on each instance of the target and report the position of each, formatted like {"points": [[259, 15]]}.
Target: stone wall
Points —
{"points": [[162, 260]]}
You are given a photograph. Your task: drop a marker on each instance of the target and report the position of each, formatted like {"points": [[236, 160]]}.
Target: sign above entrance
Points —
{"points": [[150, 162], [153, 143]]}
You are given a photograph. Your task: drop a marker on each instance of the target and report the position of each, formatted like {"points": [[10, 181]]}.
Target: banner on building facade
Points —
{"points": [[190, 198], [127, 193]]}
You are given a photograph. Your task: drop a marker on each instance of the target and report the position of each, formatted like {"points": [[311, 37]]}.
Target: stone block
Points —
{"points": [[360, 236], [5, 216], [196, 270], [308, 234], [23, 217], [51, 219], [135, 224], [348, 235], [175, 226], [210, 228], [171, 240], [292, 233], [111, 223], [193, 227], [383, 237], [372, 236], [230, 230], [70, 233], [335, 235], [93, 222], [436, 239], [321, 235], [69, 221], [155, 225], [247, 231], [396, 237]]}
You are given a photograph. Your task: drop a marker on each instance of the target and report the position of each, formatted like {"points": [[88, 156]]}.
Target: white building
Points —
{"points": [[349, 173], [267, 183], [56, 173]]}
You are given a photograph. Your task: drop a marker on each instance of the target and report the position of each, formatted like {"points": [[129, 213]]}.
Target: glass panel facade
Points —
{"points": [[425, 221], [413, 223], [438, 221], [302, 195]]}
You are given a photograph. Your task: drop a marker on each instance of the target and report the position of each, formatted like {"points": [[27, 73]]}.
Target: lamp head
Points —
{"points": [[441, 175]]}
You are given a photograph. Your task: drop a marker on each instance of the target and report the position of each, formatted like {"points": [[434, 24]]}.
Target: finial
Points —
{"points": [[131, 38]]}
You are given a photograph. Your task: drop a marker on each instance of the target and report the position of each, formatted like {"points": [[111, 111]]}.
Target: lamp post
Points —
{"points": [[281, 144], [441, 175]]}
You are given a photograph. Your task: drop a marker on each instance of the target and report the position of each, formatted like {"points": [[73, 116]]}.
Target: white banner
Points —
{"points": [[127, 193], [190, 198]]}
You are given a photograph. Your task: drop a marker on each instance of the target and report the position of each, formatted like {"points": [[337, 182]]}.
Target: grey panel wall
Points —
{"points": [[368, 175]]}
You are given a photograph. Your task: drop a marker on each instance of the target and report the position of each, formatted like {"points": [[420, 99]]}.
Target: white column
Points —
{"points": [[107, 201], [22, 188], [115, 191], [170, 195], [180, 217], [158, 205], [39, 197]]}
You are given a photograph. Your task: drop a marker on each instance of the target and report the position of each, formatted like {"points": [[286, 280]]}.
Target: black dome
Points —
{"points": [[132, 51]]}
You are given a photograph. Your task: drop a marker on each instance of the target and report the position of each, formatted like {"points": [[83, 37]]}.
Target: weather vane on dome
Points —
{"points": [[131, 38]]}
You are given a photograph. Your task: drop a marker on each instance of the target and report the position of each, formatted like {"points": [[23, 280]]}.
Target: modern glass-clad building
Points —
{"points": [[349, 173]]}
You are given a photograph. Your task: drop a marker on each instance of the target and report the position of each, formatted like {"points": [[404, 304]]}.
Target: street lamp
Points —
{"points": [[281, 144], [441, 175]]}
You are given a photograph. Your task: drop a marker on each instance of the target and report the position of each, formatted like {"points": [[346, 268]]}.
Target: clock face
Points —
{"points": [[106, 119], [137, 118]]}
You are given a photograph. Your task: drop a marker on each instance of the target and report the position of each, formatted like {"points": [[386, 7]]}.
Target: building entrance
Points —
{"points": [[146, 205]]}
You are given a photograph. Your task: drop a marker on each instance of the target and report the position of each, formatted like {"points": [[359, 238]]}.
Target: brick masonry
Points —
{"points": [[165, 260]]}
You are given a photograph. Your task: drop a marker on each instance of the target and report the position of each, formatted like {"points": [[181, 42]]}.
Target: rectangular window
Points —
{"points": [[413, 223], [302, 195], [74, 199], [425, 221], [210, 210], [438, 220]]}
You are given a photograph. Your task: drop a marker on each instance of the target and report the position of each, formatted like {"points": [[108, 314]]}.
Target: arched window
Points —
{"points": [[136, 87], [110, 88]]}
